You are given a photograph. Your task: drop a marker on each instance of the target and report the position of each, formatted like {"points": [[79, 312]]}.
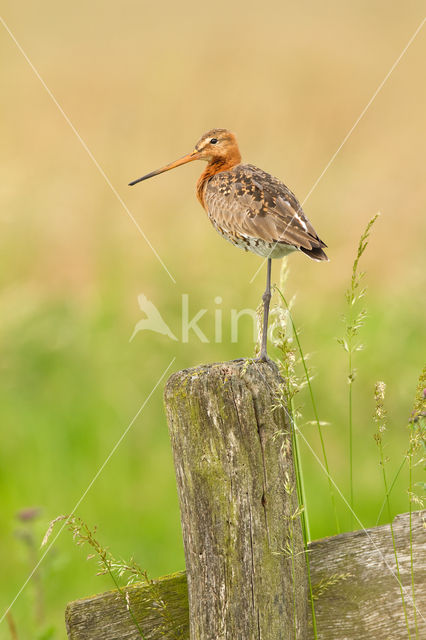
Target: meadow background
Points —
{"points": [[141, 82]]}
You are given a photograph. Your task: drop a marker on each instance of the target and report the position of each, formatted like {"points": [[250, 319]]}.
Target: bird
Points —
{"points": [[249, 207]]}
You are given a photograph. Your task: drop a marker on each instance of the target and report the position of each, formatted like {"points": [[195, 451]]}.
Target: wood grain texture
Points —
{"points": [[365, 605], [235, 478], [234, 469], [106, 617]]}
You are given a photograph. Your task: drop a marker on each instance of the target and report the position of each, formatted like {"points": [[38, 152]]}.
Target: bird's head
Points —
{"points": [[216, 146]]}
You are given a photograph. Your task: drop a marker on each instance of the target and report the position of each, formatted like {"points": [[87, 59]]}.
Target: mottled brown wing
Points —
{"points": [[250, 202]]}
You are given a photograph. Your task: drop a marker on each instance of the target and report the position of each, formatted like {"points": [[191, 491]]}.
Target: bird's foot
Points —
{"points": [[263, 357]]}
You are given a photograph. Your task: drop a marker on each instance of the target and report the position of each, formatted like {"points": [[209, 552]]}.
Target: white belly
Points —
{"points": [[256, 245]]}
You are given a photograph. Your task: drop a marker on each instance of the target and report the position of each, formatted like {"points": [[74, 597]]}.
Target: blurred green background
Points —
{"points": [[141, 82]]}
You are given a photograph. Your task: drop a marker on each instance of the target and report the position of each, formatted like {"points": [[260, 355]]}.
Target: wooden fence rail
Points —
{"points": [[245, 567]]}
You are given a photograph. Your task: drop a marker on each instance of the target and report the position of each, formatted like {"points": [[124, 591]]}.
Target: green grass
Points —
{"points": [[71, 383], [72, 264], [380, 419]]}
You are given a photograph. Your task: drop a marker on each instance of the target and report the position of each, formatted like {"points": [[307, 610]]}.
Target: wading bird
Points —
{"points": [[249, 207]]}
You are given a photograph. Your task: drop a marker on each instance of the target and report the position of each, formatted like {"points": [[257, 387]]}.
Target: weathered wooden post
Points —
{"points": [[245, 560], [242, 536]]}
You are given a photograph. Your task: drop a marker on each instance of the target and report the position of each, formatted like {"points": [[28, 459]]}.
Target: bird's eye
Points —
{"points": [[214, 141]]}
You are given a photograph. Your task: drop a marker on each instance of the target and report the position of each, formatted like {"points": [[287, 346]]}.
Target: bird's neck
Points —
{"points": [[216, 165]]}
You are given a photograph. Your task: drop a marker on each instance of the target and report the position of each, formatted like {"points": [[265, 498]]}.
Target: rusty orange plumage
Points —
{"points": [[249, 207]]}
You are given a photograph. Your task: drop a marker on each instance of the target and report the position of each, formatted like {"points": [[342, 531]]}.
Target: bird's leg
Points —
{"points": [[266, 300]]}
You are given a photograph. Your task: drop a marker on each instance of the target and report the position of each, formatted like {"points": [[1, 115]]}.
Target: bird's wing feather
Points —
{"points": [[249, 202]]}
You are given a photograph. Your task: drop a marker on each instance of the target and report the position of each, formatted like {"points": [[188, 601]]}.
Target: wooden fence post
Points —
{"points": [[242, 536], [353, 576]]}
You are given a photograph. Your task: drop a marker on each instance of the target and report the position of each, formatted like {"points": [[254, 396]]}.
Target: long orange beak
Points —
{"points": [[194, 155]]}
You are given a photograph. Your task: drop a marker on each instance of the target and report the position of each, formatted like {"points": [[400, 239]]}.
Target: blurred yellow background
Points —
{"points": [[140, 83]]}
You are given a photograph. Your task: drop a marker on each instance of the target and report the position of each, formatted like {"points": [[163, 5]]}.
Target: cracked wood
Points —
{"points": [[236, 485], [365, 605], [236, 517]]}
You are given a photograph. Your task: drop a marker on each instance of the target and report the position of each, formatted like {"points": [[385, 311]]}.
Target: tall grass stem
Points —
{"points": [[410, 489], [354, 320], [304, 513], [350, 428], [396, 476], [394, 544], [380, 417], [314, 407]]}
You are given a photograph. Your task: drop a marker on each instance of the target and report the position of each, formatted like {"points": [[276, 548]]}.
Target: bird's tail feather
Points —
{"points": [[316, 253]]}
